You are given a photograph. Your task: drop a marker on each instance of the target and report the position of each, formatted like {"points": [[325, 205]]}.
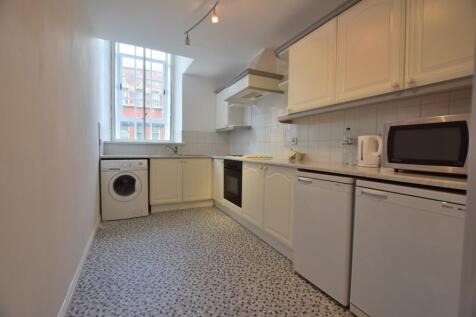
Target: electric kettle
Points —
{"points": [[369, 150]]}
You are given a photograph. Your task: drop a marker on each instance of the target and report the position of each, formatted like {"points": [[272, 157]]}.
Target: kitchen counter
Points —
{"points": [[386, 174], [154, 156]]}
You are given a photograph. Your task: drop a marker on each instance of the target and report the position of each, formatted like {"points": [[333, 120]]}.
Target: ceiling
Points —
{"points": [[220, 51]]}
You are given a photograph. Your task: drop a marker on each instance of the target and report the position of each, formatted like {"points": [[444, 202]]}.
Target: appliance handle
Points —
{"points": [[380, 145], [374, 193], [305, 180], [361, 145]]}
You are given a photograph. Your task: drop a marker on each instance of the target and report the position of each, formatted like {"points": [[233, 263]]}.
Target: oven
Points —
{"points": [[232, 181], [436, 144]]}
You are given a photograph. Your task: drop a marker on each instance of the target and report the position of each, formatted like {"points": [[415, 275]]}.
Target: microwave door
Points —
{"points": [[432, 147]]}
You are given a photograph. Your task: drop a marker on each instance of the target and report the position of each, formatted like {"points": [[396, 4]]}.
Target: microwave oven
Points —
{"points": [[436, 144]]}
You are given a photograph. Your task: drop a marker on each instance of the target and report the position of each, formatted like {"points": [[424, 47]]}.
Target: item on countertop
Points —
{"points": [[347, 148], [295, 156], [369, 150]]}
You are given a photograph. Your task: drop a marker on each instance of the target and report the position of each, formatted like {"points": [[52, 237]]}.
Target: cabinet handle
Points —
{"points": [[396, 85], [373, 193], [305, 180], [411, 82]]}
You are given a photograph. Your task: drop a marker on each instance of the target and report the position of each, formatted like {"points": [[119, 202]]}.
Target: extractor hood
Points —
{"points": [[261, 78]]}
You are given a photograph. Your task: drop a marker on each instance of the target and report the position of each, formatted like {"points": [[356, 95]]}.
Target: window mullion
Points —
{"points": [[143, 95]]}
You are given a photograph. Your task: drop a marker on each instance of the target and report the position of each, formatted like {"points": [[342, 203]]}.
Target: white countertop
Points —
{"points": [[153, 156], [387, 174]]}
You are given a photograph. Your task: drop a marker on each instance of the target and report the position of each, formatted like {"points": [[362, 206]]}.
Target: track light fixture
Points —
{"points": [[187, 39], [214, 18]]}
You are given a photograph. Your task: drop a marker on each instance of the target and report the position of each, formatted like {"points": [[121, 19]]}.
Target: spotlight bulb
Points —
{"points": [[215, 18]]}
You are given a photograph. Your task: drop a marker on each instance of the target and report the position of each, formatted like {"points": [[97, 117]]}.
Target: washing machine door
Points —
{"points": [[125, 186]]}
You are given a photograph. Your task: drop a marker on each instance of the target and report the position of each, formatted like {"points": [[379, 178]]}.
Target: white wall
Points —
{"points": [[198, 104], [49, 83], [320, 136], [468, 291]]}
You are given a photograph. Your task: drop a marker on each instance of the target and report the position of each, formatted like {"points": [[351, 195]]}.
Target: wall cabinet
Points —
{"points": [[218, 180], [221, 109], [227, 116], [253, 187], [180, 180], [440, 40], [382, 46], [370, 49], [278, 203], [312, 69]]}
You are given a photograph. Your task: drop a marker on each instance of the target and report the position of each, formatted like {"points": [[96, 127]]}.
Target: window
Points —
{"points": [[142, 110]]}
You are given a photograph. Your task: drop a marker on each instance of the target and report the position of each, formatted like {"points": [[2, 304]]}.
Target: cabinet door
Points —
{"points": [[221, 110], [218, 180], [165, 181], [197, 179], [278, 203], [440, 40], [406, 255], [253, 183], [370, 49], [312, 67]]}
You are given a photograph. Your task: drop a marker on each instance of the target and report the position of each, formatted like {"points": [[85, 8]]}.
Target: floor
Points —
{"points": [[196, 262]]}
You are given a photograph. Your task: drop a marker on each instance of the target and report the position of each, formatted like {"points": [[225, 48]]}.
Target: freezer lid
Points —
{"points": [[326, 177], [434, 194]]}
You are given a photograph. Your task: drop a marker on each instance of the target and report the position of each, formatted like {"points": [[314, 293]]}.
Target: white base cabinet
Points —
{"points": [[267, 203], [165, 181], [252, 193], [174, 181], [407, 251], [278, 205], [218, 180]]}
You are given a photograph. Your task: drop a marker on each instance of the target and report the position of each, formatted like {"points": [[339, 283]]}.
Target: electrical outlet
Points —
{"points": [[294, 141]]}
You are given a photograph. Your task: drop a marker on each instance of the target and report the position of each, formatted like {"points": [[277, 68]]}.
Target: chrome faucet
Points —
{"points": [[174, 149]]}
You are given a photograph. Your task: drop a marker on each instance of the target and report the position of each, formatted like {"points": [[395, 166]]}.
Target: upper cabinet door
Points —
{"points": [[165, 181], [440, 40], [370, 49], [221, 110], [197, 179], [312, 66]]}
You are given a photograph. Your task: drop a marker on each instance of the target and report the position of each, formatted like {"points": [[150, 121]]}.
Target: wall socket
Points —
{"points": [[294, 141]]}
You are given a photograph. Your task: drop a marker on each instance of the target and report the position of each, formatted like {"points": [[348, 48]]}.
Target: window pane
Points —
{"points": [[132, 87]]}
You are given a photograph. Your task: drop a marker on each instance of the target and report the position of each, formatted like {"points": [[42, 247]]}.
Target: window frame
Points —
{"points": [[168, 67]]}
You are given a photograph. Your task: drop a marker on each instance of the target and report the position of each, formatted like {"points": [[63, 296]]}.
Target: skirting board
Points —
{"points": [[278, 246], [357, 311], [77, 273], [181, 206]]}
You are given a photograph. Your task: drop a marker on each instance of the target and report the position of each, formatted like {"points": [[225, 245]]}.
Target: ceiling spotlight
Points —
{"points": [[215, 18], [187, 39]]}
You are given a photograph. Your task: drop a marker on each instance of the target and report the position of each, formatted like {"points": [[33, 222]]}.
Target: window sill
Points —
{"points": [[142, 143]]}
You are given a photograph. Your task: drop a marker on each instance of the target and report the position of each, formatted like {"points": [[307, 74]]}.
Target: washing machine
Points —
{"points": [[124, 189]]}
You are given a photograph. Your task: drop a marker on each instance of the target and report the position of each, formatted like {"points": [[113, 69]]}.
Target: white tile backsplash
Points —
{"points": [[320, 136], [194, 142]]}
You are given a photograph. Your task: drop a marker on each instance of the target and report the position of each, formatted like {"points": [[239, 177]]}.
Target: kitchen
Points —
{"points": [[314, 161]]}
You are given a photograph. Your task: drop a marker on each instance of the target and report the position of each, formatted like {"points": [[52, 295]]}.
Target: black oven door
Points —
{"points": [[232, 182]]}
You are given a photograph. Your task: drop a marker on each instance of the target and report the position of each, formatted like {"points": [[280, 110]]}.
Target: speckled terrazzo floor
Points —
{"points": [[191, 263]]}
